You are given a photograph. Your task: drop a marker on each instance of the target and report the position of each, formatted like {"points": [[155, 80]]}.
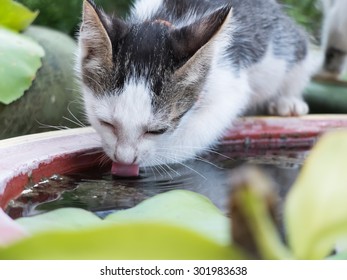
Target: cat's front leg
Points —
{"points": [[288, 106], [289, 101]]}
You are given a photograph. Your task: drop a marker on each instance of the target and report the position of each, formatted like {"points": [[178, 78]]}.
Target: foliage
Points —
{"points": [[305, 12], [315, 211], [20, 57], [65, 15], [316, 208], [15, 16], [155, 229], [62, 15]]}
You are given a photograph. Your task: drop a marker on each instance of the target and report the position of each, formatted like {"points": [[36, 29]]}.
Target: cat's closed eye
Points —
{"points": [[157, 131], [108, 125]]}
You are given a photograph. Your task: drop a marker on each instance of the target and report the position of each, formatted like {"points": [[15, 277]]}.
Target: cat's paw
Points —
{"points": [[288, 106]]}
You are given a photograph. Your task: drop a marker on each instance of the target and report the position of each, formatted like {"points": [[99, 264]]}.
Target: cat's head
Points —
{"points": [[140, 80]]}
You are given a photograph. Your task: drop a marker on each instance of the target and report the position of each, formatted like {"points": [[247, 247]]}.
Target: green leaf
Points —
{"points": [[174, 225], [316, 208], [182, 208], [253, 199], [127, 241], [339, 256], [15, 16], [20, 58], [60, 219]]}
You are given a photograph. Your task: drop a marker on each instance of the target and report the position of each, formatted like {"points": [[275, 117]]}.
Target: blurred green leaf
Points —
{"points": [[128, 241], [175, 225], [60, 219], [316, 208], [255, 199], [182, 208], [195, 212], [339, 256], [15, 16], [20, 58]]}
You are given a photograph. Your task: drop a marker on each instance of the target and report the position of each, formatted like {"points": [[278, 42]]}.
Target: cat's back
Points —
{"points": [[257, 25], [178, 11]]}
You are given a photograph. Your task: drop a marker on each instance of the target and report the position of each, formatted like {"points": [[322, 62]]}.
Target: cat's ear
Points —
{"points": [[189, 39], [94, 37]]}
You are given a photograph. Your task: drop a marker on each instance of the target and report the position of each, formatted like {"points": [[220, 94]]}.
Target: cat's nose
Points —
{"points": [[125, 154]]}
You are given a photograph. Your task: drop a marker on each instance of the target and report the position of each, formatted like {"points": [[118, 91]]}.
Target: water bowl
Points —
{"points": [[46, 171]]}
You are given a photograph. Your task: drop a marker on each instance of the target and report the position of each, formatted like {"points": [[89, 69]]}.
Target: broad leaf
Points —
{"points": [[174, 225], [179, 207], [183, 208], [15, 16], [316, 208], [127, 241], [339, 256], [60, 219], [20, 58]]}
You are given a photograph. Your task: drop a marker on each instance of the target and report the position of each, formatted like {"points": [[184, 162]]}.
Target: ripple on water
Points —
{"points": [[101, 193]]}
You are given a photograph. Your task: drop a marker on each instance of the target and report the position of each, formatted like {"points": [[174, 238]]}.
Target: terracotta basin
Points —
{"points": [[30, 158]]}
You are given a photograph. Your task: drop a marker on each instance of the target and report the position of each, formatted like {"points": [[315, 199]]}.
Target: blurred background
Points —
{"points": [[62, 15]]}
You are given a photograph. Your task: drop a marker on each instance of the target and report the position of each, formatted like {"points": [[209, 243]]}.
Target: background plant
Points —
{"points": [[306, 13], [64, 15], [20, 57]]}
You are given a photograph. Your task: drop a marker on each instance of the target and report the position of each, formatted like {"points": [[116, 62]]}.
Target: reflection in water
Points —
{"points": [[100, 193]]}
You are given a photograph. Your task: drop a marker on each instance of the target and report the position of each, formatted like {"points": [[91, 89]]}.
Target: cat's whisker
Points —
{"points": [[197, 158], [73, 122], [154, 173], [79, 122], [161, 166], [73, 90], [175, 160], [170, 168], [155, 166], [90, 153], [104, 160], [205, 150], [55, 127]]}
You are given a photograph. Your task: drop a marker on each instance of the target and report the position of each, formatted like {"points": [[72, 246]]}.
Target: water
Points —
{"points": [[96, 190]]}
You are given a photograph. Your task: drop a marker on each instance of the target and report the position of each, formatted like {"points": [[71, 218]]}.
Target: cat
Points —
{"points": [[334, 38], [164, 84]]}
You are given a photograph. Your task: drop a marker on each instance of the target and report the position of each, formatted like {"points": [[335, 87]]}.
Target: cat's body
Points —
{"points": [[166, 83]]}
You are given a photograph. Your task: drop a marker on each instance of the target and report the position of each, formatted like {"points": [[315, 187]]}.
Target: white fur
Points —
{"points": [[143, 9], [130, 112], [272, 83]]}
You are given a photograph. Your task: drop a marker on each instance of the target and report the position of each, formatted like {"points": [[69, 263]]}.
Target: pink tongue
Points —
{"points": [[125, 170]]}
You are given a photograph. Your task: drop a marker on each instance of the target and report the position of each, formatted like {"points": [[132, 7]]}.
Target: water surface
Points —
{"points": [[100, 192]]}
